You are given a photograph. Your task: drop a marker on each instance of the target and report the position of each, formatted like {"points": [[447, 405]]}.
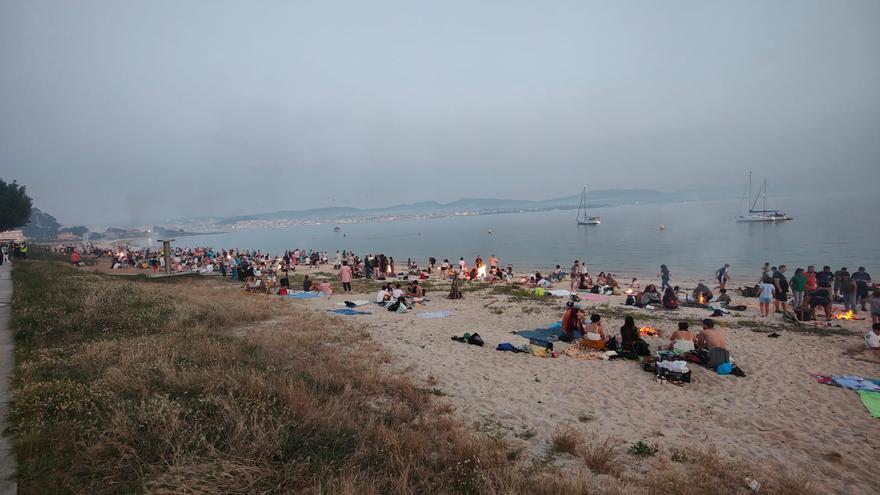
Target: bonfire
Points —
{"points": [[844, 316], [648, 331]]}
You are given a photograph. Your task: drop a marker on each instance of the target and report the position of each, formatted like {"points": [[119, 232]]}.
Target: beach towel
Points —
{"points": [[304, 295], [871, 401], [855, 383], [349, 312], [549, 333], [561, 293], [431, 315]]}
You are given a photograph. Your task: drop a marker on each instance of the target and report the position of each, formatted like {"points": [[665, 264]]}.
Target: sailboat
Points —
{"points": [[762, 215], [586, 220]]}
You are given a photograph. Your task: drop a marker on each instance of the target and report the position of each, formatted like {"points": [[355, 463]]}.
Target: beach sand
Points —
{"points": [[778, 412]]}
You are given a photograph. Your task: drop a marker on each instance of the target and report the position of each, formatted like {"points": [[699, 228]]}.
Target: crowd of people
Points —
{"points": [[13, 250], [800, 296]]}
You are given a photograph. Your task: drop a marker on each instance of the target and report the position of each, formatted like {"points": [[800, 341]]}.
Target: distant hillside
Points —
{"points": [[604, 197]]}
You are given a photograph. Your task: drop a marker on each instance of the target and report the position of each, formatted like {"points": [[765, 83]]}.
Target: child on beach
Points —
{"points": [[765, 296]]}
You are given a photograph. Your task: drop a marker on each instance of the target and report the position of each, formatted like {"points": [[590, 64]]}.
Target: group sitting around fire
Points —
{"points": [[579, 329]]}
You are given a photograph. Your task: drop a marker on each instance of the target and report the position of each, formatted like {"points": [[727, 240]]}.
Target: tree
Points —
{"points": [[15, 206], [41, 225]]}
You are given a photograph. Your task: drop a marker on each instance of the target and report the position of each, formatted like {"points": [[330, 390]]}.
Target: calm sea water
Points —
{"points": [[699, 237]]}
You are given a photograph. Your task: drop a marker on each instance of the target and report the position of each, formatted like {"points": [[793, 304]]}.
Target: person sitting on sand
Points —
{"points": [[572, 323], [720, 303], [714, 343], [383, 295], [396, 292], [710, 337], [670, 300], [629, 335], [702, 290], [611, 282], [585, 282], [307, 284], [594, 334], [872, 338], [541, 282], [324, 287], [649, 296], [681, 340], [416, 291]]}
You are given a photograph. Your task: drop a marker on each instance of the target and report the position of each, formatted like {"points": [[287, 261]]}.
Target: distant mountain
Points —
{"points": [[595, 199]]}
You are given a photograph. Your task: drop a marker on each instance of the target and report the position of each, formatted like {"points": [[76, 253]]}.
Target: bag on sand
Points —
{"points": [[475, 339], [641, 348]]}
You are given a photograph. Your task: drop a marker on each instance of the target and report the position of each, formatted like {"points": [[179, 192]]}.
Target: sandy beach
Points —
{"points": [[778, 412]]}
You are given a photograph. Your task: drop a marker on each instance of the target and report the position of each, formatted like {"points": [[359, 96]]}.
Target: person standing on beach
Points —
{"points": [[810, 277], [825, 280], [798, 286], [575, 275], [493, 262], [345, 276], [723, 275], [849, 291], [664, 278], [462, 264], [781, 285], [862, 279]]}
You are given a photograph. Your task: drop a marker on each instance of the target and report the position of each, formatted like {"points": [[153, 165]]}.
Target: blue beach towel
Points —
{"points": [[855, 383], [349, 312], [550, 333], [543, 337], [305, 295]]}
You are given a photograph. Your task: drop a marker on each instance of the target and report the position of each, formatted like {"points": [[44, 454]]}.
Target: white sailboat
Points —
{"points": [[762, 215], [586, 220]]}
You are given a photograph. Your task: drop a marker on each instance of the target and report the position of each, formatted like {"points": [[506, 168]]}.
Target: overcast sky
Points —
{"points": [[132, 111]]}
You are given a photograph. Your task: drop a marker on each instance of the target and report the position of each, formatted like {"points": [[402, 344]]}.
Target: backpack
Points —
{"points": [[641, 348], [475, 339], [611, 345]]}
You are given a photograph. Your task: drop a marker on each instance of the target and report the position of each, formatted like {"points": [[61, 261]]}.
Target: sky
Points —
{"points": [[138, 111]]}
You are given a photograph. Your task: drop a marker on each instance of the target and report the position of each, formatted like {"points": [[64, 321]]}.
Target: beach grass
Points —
{"points": [[190, 386]]}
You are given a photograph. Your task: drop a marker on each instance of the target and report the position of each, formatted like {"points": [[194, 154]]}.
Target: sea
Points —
{"points": [[692, 238]]}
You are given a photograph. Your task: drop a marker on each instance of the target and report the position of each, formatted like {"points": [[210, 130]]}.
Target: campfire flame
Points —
{"points": [[648, 331], [481, 271], [701, 299], [844, 316]]}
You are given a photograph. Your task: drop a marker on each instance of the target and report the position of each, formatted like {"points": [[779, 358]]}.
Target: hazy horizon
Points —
{"points": [[136, 111]]}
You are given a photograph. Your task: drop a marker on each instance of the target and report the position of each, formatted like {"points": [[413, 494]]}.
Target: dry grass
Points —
{"points": [[188, 386], [602, 456], [566, 440], [705, 471]]}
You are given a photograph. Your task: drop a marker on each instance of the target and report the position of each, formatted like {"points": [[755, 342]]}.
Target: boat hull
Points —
{"points": [[762, 219]]}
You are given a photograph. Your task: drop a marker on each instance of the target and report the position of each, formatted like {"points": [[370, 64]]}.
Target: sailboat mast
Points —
{"points": [[765, 196], [750, 186]]}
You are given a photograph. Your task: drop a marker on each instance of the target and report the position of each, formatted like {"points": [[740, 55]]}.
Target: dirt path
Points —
{"points": [[7, 347]]}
